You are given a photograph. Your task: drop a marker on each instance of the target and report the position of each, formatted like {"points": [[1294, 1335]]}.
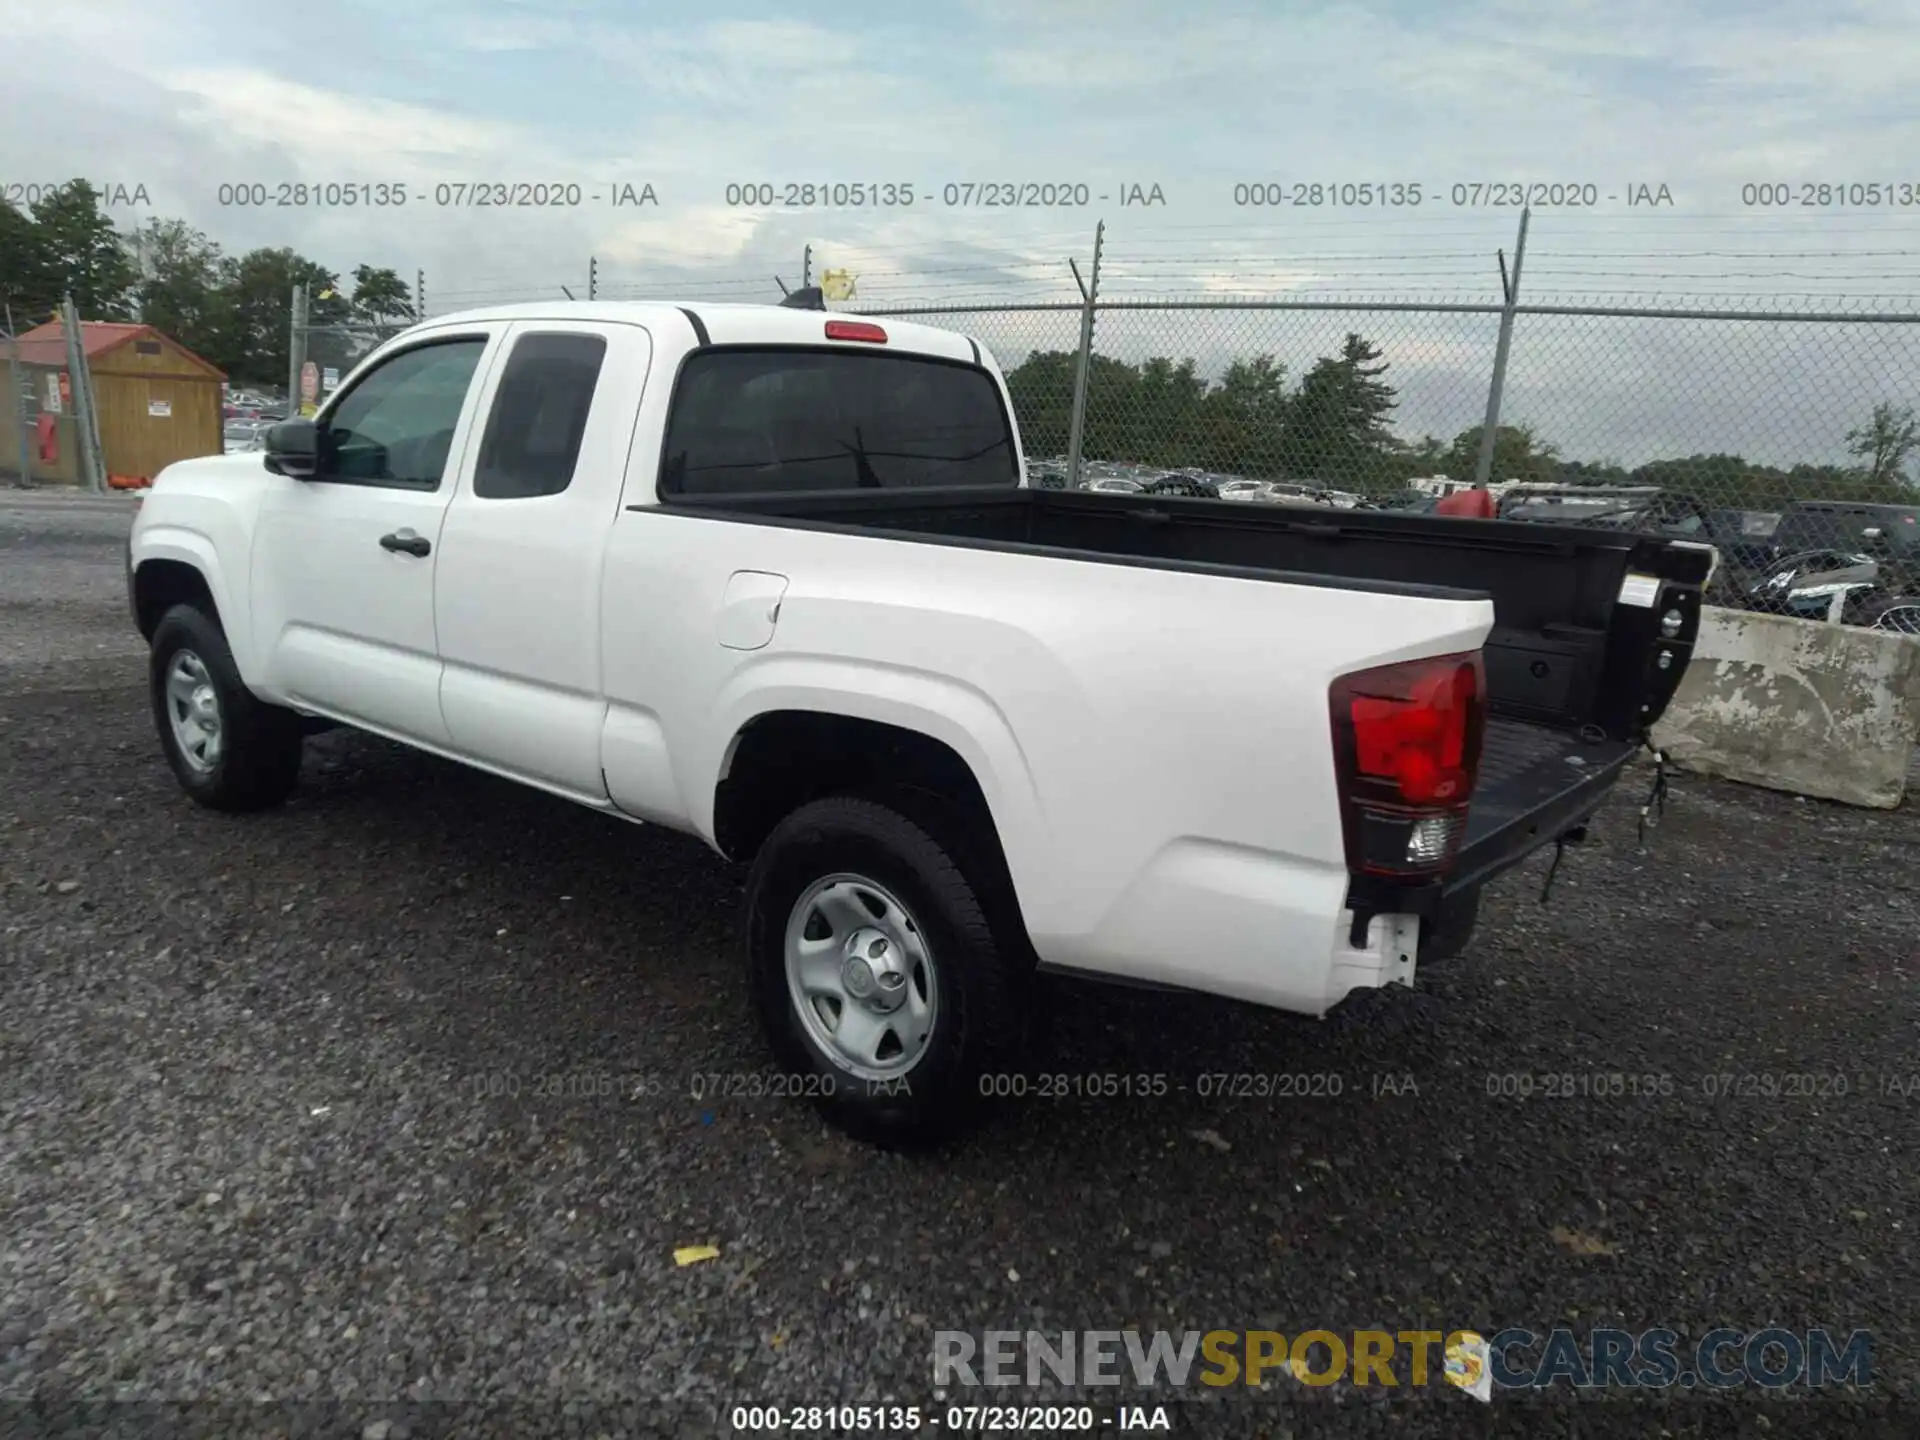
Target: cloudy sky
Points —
{"points": [[1700, 96]]}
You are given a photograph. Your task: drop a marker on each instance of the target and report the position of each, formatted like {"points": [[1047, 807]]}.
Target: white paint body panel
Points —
{"points": [[518, 593], [1154, 744]]}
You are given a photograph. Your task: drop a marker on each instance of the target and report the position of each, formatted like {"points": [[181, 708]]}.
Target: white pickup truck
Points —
{"points": [[773, 577]]}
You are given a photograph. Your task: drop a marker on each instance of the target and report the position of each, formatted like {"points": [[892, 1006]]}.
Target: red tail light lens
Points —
{"points": [[855, 330], [1410, 726], [1407, 742]]}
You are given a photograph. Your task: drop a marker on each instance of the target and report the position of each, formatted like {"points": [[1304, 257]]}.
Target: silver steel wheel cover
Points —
{"points": [[861, 977], [193, 710]]}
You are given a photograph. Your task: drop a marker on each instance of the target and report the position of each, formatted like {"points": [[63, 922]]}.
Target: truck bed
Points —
{"points": [[1564, 652], [1572, 672]]}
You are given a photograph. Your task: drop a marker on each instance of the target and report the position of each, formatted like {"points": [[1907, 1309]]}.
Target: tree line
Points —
{"points": [[1335, 426], [231, 310]]}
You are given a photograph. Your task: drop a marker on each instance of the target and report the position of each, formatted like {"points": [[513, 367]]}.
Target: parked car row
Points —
{"points": [[253, 405], [1120, 477]]}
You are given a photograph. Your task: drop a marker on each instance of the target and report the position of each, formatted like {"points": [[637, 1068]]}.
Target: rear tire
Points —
{"points": [[879, 981], [229, 750]]}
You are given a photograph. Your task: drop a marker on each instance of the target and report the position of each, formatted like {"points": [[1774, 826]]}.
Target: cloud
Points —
{"points": [[512, 34], [1702, 94], [349, 135], [702, 235]]}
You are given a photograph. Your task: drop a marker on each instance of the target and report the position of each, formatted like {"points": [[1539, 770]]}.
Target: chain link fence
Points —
{"points": [[1784, 437]]}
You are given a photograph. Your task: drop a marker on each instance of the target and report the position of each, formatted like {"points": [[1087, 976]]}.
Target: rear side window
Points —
{"points": [[746, 421], [539, 415]]}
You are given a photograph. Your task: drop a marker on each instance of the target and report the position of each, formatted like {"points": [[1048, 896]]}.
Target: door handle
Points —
{"points": [[407, 542]]}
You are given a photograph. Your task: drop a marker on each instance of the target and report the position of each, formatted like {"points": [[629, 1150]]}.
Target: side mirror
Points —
{"points": [[294, 449]]}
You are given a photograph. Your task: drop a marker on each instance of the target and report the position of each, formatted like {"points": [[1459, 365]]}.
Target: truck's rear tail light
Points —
{"points": [[855, 330], [1432, 840], [1407, 741]]}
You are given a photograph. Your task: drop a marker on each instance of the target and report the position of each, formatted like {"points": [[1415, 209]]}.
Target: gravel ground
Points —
{"points": [[380, 1105]]}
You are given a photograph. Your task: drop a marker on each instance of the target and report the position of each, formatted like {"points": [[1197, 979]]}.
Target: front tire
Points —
{"points": [[878, 978], [229, 750]]}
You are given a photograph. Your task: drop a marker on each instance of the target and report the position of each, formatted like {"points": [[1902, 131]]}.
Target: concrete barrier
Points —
{"points": [[1828, 711]]}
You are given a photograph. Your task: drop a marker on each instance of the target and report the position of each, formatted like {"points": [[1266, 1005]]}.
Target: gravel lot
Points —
{"points": [[385, 1098]]}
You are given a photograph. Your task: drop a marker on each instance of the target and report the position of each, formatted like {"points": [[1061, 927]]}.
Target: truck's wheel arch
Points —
{"points": [[159, 585], [177, 566], [781, 759]]}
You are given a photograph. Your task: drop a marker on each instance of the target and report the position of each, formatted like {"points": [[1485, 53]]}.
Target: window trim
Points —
{"points": [[323, 417], [508, 350], [664, 496]]}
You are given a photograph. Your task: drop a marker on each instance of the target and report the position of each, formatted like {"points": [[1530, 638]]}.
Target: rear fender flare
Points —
{"points": [[964, 719]]}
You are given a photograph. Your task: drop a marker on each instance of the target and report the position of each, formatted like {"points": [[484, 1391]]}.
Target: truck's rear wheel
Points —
{"points": [[878, 979], [229, 750]]}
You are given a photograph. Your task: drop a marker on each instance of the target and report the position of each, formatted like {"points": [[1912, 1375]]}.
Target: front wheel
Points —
{"points": [[229, 750], [879, 981]]}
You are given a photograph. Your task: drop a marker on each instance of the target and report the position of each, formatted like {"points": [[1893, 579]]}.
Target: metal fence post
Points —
{"points": [[296, 349], [86, 426], [1083, 366], [14, 378], [1483, 470]]}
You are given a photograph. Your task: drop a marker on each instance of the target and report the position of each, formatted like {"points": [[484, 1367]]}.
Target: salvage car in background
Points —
{"points": [[1809, 583]]}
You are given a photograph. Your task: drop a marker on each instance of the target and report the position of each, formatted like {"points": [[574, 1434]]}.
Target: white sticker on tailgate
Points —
{"points": [[1641, 590]]}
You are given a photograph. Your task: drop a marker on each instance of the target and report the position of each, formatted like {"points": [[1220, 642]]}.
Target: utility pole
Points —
{"points": [[419, 295], [1082, 372], [86, 423], [14, 383], [593, 277], [806, 268], [296, 350], [1510, 286]]}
